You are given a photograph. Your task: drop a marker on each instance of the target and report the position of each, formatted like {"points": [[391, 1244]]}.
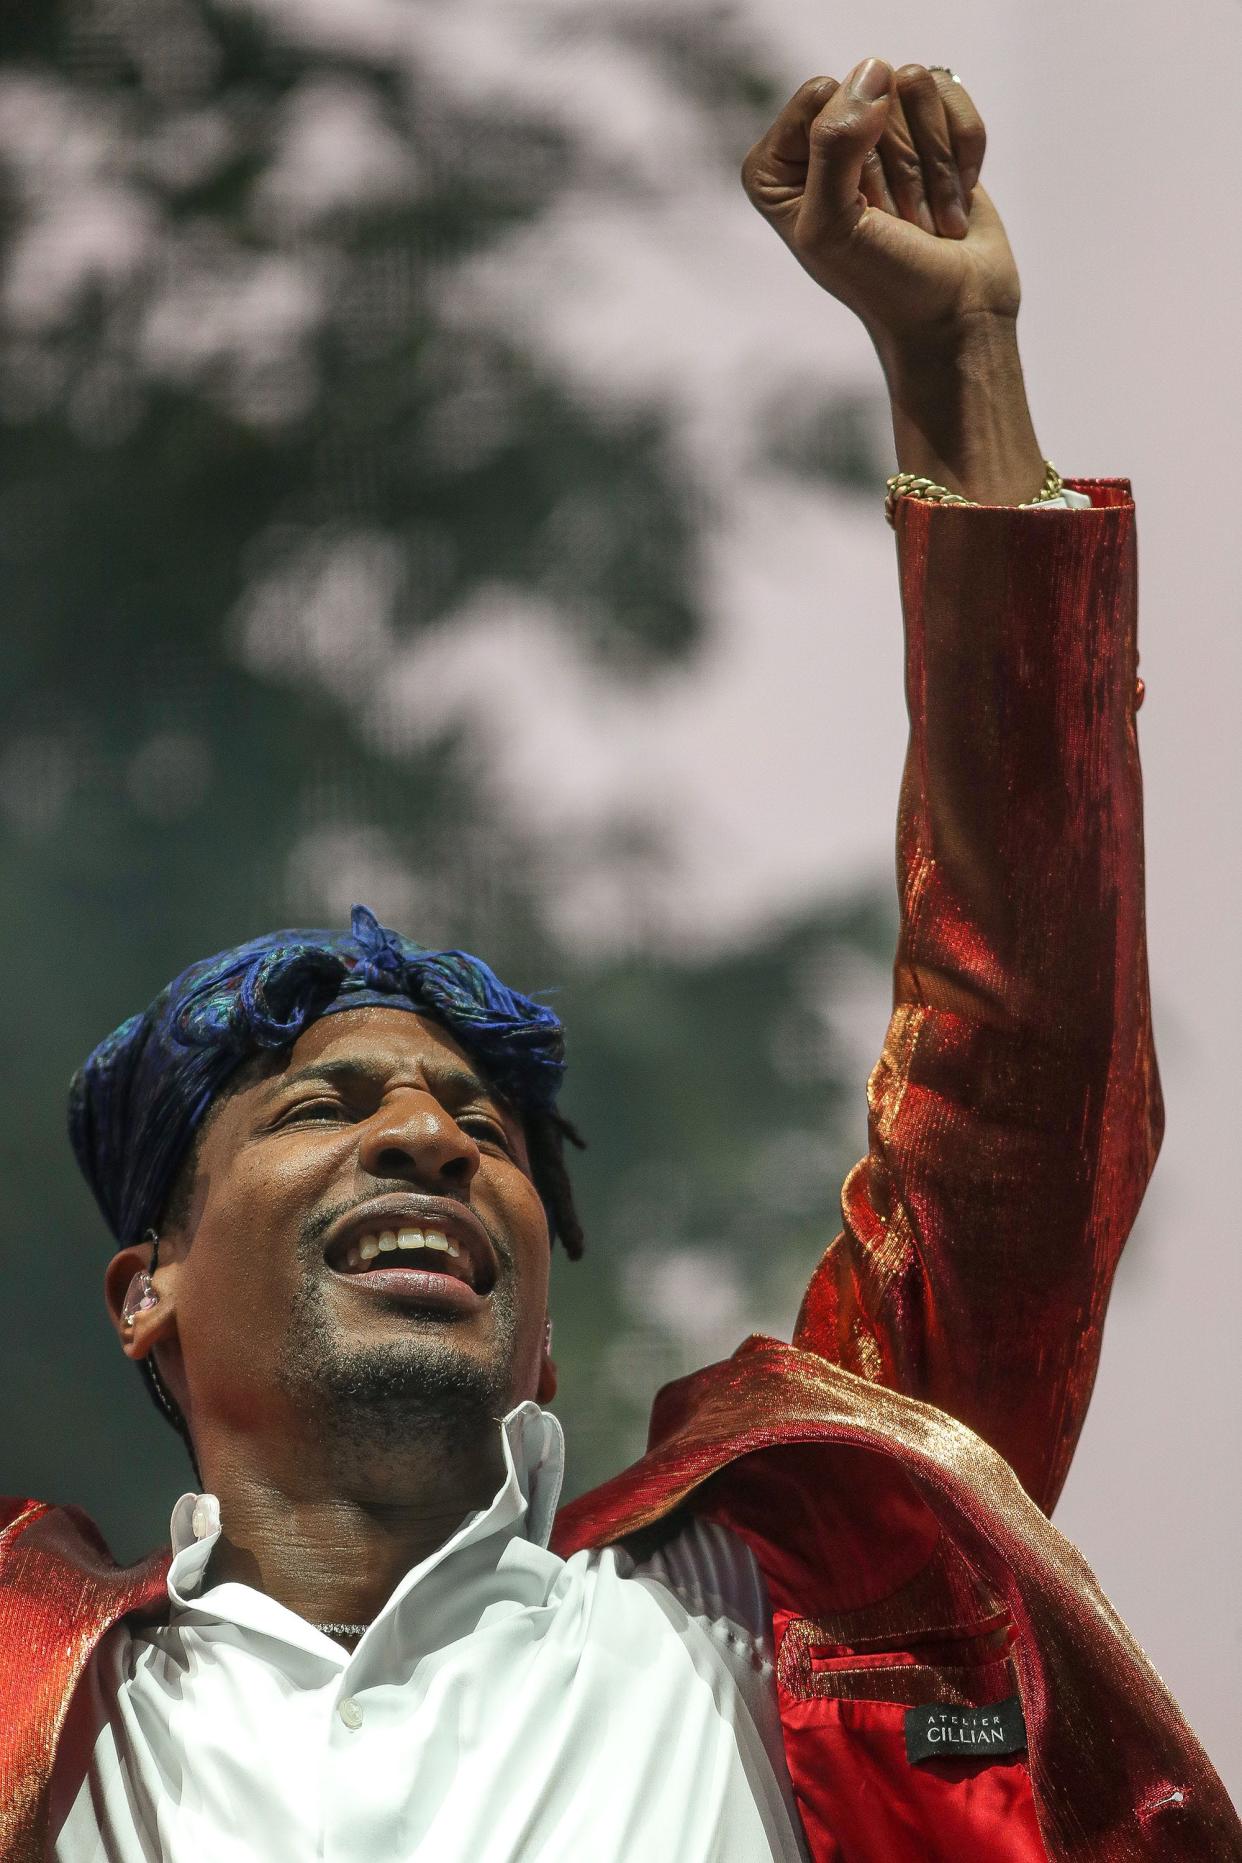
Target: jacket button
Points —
{"points": [[1140, 693]]}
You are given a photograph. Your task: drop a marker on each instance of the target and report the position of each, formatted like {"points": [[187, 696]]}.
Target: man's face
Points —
{"points": [[376, 1123]]}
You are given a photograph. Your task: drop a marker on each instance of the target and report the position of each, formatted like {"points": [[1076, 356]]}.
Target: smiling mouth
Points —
{"points": [[429, 1250], [441, 1237], [425, 1266]]}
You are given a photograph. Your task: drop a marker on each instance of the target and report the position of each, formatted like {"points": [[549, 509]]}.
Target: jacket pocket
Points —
{"points": [[861, 1799]]}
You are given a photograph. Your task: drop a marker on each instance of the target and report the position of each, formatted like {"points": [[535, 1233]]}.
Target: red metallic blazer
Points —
{"points": [[893, 1468]]}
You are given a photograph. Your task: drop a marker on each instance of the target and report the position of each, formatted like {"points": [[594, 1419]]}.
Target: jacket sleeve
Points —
{"points": [[1015, 1112]]}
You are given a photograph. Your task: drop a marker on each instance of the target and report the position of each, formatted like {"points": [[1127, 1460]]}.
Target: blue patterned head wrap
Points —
{"points": [[137, 1100]]}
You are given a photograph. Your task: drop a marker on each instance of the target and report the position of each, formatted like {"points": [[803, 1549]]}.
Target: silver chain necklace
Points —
{"points": [[341, 1630]]}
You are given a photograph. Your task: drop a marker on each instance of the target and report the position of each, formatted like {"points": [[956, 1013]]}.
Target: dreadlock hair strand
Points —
{"points": [[545, 1141]]}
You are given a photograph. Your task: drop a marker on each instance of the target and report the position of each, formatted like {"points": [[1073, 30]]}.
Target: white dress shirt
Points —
{"points": [[505, 1704], [1065, 501]]}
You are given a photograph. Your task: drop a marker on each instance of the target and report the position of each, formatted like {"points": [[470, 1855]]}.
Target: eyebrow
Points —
{"points": [[439, 1074]]}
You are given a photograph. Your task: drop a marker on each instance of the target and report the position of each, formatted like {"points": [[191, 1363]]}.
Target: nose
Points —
{"points": [[412, 1136]]}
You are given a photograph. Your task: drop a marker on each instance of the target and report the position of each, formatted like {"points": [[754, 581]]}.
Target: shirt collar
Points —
{"points": [[523, 1506]]}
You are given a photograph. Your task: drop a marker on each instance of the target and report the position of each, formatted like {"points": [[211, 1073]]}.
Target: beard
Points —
{"points": [[379, 1406]]}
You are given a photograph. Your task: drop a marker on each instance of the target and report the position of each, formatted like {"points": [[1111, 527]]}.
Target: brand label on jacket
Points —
{"points": [[940, 1732]]}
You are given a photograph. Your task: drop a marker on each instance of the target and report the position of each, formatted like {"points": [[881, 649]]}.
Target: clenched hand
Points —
{"points": [[873, 185]]}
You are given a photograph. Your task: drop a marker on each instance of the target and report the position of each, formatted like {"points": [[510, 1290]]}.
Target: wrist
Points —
{"points": [[960, 413]]}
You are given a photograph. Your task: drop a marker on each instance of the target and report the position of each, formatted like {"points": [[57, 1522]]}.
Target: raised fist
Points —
{"points": [[873, 185]]}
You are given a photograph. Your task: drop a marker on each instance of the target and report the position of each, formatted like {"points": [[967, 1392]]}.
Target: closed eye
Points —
{"points": [[488, 1126], [321, 1110], [313, 1109]]}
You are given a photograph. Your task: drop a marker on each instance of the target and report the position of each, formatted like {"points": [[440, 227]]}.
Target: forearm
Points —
{"points": [[1020, 856], [1015, 1111], [1020, 651], [960, 412]]}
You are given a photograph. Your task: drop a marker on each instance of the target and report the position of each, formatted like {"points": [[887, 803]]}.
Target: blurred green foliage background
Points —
{"points": [[248, 462]]}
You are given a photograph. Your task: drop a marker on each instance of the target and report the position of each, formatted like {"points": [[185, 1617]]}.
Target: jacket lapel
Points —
{"points": [[1117, 1772], [60, 1591]]}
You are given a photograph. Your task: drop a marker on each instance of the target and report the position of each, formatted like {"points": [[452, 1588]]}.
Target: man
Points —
{"points": [[825, 1616]]}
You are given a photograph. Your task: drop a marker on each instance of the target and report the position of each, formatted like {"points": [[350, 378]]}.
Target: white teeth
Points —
{"points": [[366, 1248], [431, 1238]]}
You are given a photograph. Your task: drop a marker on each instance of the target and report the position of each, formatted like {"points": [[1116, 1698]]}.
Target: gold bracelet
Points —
{"points": [[910, 485]]}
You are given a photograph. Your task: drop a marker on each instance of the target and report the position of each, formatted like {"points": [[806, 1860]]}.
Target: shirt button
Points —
{"points": [[350, 1712]]}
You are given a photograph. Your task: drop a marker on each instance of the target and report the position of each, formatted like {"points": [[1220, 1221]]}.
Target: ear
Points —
{"points": [[159, 1323], [546, 1389]]}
